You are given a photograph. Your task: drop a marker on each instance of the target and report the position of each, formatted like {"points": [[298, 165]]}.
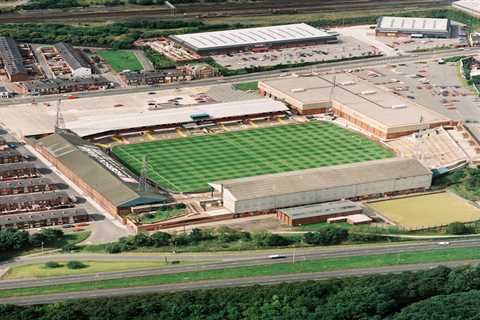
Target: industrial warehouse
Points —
{"points": [[414, 27], [209, 43], [351, 181], [363, 105], [79, 67], [12, 60]]}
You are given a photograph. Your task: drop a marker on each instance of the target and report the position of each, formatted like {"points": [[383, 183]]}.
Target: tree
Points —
{"points": [[161, 239], [326, 236], [458, 228], [76, 264]]}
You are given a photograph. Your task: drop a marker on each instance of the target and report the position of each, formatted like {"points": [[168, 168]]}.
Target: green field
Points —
{"points": [[121, 60], [421, 212], [188, 164], [246, 86]]}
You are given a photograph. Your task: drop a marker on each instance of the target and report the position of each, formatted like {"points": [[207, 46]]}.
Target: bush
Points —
{"points": [[69, 248], [52, 265], [76, 265], [114, 248], [458, 228], [161, 239], [266, 239], [327, 236]]}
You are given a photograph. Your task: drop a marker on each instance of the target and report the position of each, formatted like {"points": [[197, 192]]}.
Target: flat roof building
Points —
{"points": [[12, 60], [355, 181], [206, 43], [316, 213], [471, 7], [374, 110], [75, 60], [409, 26]]}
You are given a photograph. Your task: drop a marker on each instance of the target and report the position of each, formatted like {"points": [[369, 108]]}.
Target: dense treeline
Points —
{"points": [[17, 240], [227, 238], [434, 294]]}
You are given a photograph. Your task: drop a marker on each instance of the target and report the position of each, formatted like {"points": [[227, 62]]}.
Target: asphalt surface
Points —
{"points": [[215, 261], [210, 284], [361, 63]]}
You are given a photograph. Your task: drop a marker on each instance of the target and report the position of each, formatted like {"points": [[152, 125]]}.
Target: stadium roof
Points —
{"points": [[381, 107], [12, 59], [71, 56], [322, 178], [101, 124], [96, 169], [252, 36], [409, 24], [322, 209]]}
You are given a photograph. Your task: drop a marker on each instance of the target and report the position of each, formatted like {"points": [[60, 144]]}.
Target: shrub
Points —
{"points": [[52, 265], [326, 236], [76, 265], [458, 228], [160, 239], [69, 247], [266, 239], [114, 248]]}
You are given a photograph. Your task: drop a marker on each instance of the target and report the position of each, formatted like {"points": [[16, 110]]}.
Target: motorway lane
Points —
{"points": [[239, 282], [223, 262], [362, 63]]}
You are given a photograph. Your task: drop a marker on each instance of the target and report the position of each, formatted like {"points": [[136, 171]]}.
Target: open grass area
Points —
{"points": [[441, 255], [161, 215], [121, 60], [39, 270], [425, 211], [188, 164], [246, 86]]}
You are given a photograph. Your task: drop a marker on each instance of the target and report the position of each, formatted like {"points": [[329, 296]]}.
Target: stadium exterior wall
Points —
{"points": [[353, 192], [102, 201]]}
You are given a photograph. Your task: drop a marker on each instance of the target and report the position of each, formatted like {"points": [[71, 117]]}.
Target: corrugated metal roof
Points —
{"points": [[11, 56], [251, 36], [71, 56], [97, 125], [321, 209], [67, 148], [322, 178], [409, 24]]}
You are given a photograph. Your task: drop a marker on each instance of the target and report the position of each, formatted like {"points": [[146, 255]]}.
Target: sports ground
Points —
{"points": [[188, 164], [421, 212]]}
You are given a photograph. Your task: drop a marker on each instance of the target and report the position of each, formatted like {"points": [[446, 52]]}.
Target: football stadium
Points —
{"points": [[189, 164]]}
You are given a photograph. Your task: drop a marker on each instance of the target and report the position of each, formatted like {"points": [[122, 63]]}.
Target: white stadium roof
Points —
{"points": [[251, 36], [102, 124], [412, 24]]}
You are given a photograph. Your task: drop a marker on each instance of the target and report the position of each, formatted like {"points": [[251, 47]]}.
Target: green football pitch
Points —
{"points": [[188, 164]]}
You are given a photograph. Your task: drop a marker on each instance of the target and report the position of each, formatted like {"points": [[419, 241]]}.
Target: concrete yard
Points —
{"points": [[426, 211]]}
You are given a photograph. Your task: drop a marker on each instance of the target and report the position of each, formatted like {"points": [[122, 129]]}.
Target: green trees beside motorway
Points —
{"points": [[440, 293]]}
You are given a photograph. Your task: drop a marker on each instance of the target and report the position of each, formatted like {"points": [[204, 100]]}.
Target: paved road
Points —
{"points": [[210, 284], [214, 261], [257, 76]]}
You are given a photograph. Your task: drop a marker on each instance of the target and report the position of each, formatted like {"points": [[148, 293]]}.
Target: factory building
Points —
{"points": [[98, 175], [284, 36], [316, 213], [376, 112], [471, 7], [357, 181], [12, 60], [79, 67], [413, 27]]}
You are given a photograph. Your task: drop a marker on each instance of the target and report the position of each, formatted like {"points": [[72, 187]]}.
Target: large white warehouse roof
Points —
{"points": [[251, 36], [408, 24], [100, 124]]}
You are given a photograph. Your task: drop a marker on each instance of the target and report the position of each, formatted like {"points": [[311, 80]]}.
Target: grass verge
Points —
{"points": [[441, 255], [39, 270]]}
